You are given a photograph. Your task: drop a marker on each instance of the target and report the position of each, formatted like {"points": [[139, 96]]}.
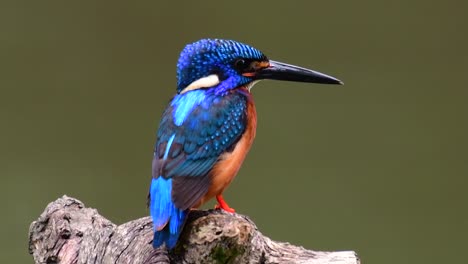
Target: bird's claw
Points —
{"points": [[227, 209], [223, 205]]}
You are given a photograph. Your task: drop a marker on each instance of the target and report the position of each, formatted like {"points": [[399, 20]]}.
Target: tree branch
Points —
{"points": [[68, 232]]}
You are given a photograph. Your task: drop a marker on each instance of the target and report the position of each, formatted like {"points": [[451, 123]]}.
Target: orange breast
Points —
{"points": [[226, 169]]}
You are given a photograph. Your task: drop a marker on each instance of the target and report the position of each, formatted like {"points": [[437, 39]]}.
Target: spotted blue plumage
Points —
{"points": [[210, 128], [217, 56], [196, 129]]}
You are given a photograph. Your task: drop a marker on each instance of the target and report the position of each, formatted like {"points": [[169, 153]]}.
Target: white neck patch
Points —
{"points": [[204, 82]]}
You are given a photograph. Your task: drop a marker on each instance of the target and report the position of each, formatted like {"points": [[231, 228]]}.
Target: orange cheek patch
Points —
{"points": [[263, 64], [256, 66]]}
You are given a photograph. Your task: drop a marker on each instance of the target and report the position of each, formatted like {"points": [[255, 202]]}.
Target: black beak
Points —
{"points": [[285, 72]]}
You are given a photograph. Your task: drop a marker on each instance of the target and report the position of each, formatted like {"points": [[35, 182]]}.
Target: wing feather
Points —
{"points": [[209, 130]]}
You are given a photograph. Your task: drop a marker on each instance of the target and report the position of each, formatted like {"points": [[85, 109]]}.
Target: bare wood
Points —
{"points": [[68, 232]]}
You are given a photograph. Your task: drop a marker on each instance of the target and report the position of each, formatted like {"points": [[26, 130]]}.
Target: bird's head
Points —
{"points": [[222, 65]]}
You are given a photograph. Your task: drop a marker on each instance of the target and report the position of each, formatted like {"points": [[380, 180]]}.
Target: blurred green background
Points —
{"points": [[378, 166]]}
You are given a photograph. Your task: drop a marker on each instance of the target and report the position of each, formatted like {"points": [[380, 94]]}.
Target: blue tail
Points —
{"points": [[168, 220]]}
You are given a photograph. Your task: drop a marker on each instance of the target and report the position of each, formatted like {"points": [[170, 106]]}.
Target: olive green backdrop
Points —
{"points": [[378, 165]]}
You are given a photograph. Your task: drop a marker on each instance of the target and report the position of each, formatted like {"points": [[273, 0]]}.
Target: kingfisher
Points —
{"points": [[208, 128]]}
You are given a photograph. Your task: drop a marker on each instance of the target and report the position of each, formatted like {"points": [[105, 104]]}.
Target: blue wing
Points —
{"points": [[194, 131], [192, 138]]}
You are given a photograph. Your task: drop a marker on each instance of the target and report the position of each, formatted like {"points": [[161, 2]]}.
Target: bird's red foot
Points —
{"points": [[223, 205]]}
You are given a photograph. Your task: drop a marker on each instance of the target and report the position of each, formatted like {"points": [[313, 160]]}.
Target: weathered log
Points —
{"points": [[68, 232]]}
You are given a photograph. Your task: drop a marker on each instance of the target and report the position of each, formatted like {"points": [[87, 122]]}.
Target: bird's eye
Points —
{"points": [[242, 65]]}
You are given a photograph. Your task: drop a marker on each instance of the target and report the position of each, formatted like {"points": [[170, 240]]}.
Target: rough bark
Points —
{"points": [[68, 232]]}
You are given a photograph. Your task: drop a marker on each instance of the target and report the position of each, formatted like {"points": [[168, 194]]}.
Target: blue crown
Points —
{"points": [[214, 56]]}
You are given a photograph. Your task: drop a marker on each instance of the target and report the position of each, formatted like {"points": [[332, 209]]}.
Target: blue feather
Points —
{"points": [[184, 104], [160, 204], [160, 237], [168, 147], [167, 219]]}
